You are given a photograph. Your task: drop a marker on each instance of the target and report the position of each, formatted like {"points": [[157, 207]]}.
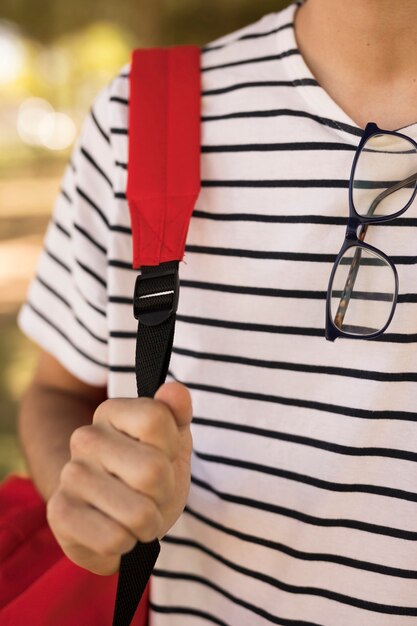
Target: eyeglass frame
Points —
{"points": [[352, 239]]}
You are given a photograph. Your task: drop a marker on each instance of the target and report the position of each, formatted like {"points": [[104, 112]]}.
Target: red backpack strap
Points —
{"points": [[164, 150], [162, 188]]}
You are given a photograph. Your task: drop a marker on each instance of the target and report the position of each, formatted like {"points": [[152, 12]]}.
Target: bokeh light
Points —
{"points": [[32, 112], [12, 54], [56, 131]]}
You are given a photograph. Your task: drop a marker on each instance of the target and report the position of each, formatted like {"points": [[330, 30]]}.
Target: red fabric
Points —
{"points": [[164, 150], [39, 585]]}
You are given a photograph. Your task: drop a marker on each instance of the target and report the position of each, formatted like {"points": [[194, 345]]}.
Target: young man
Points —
{"points": [[302, 504]]}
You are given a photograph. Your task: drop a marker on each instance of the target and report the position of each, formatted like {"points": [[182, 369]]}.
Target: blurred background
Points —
{"points": [[54, 58]]}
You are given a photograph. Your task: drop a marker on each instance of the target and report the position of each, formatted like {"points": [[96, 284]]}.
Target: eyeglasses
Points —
{"points": [[363, 286]]}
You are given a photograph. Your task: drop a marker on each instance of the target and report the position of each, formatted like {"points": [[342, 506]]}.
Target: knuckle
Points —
{"points": [[104, 410], [154, 419], [156, 472], [133, 517], [149, 522], [127, 544], [73, 473], [58, 509], [105, 547], [83, 439], [151, 474], [115, 542], [158, 475]]}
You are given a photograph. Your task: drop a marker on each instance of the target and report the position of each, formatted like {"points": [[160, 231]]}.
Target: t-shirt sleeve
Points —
{"points": [[65, 310]]}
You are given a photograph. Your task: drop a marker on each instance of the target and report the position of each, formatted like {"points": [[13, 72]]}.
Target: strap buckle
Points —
{"points": [[151, 305]]}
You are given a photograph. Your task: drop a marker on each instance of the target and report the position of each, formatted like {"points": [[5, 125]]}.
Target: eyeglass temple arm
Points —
{"points": [[348, 288], [387, 192], [354, 267]]}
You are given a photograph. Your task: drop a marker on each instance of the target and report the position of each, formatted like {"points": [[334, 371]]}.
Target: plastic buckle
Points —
{"points": [[143, 290]]}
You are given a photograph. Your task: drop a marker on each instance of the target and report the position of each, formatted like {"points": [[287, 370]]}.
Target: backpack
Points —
{"points": [[39, 585]]}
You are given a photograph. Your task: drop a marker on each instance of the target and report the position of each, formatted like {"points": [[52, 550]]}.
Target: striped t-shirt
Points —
{"points": [[303, 501]]}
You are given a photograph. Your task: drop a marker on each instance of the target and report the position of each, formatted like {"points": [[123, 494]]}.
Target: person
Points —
{"points": [[278, 469]]}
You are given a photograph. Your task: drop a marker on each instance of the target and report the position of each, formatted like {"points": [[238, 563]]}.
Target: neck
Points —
{"points": [[370, 37]]}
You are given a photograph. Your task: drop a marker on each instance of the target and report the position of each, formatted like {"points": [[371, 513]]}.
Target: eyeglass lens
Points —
{"points": [[362, 294], [385, 175]]}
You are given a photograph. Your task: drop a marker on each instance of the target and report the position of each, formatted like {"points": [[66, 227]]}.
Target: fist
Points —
{"points": [[127, 479]]}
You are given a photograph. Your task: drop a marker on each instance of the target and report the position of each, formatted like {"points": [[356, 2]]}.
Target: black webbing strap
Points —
{"points": [[155, 303]]}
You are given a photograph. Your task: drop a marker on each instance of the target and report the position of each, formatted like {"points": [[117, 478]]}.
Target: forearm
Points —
{"points": [[47, 418]]}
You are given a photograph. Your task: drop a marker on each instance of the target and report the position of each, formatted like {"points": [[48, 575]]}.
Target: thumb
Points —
{"points": [[177, 397]]}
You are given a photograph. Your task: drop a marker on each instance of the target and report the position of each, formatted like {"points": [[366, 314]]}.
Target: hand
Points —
{"points": [[128, 478]]}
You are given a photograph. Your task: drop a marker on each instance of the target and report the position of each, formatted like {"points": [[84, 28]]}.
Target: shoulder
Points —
{"points": [[109, 109]]}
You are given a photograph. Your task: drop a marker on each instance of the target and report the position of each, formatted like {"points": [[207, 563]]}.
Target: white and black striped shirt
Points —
{"points": [[303, 502]]}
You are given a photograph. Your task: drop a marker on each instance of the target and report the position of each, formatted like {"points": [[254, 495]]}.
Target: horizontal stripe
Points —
{"points": [[122, 369], [119, 100], [299, 554], [295, 183], [268, 292], [312, 481], [250, 61], [325, 121], [296, 219], [306, 82], [290, 219], [123, 265], [324, 407], [280, 365], [265, 114], [281, 293], [296, 589], [279, 147], [119, 131], [239, 601], [182, 610], [246, 37], [298, 367], [305, 518], [289, 256], [270, 328], [329, 446]]}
